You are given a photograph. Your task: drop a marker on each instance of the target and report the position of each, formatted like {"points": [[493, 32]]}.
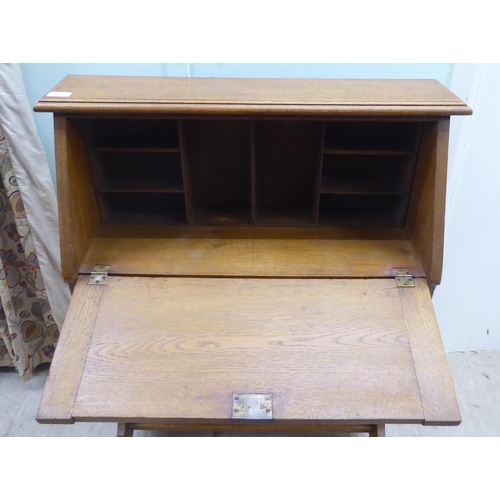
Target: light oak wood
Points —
{"points": [[319, 173], [78, 214], [328, 350], [62, 385], [216, 202], [258, 252], [425, 219], [431, 367], [253, 173], [188, 196], [90, 94]]}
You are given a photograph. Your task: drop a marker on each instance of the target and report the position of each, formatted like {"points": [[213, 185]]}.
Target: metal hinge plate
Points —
{"points": [[99, 275], [253, 406], [404, 279]]}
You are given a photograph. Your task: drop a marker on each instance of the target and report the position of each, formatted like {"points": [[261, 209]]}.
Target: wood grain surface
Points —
{"points": [[186, 177], [66, 369], [78, 215], [426, 211], [90, 94], [177, 348], [439, 401], [260, 252]]}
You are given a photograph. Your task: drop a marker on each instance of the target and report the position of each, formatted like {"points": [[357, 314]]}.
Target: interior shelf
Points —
{"points": [[135, 208], [362, 210], [239, 172], [147, 217], [380, 217], [137, 149], [138, 164], [206, 216], [157, 184], [283, 217], [355, 185], [369, 152]]}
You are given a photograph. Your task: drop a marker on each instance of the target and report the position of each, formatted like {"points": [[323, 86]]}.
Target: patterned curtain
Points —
{"points": [[28, 331]]}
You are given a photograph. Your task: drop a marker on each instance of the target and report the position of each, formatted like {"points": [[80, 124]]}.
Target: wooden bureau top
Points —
{"points": [[249, 96]]}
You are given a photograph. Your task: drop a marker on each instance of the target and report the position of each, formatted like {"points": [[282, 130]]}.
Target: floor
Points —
{"points": [[476, 376]]}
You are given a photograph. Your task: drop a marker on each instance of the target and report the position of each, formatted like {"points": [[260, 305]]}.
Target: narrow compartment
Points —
{"points": [[371, 138], [133, 134], [361, 174], [219, 155], [144, 208], [138, 172], [362, 210], [286, 166]]}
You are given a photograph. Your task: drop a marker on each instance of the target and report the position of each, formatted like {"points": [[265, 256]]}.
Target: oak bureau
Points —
{"points": [[253, 255]]}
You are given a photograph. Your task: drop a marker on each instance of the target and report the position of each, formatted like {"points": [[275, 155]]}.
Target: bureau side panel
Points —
{"points": [[78, 214], [425, 219]]}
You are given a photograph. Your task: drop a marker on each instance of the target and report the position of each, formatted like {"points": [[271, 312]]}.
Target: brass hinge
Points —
{"points": [[404, 279], [252, 406], [99, 275]]}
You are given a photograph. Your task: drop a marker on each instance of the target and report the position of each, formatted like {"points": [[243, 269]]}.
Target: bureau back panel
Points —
{"points": [[218, 161], [286, 163]]}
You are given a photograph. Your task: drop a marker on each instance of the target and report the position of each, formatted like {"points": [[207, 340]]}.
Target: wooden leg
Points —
{"points": [[124, 430], [378, 431]]}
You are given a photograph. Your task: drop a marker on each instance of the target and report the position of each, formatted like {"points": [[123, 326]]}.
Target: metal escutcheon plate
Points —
{"points": [[253, 406]]}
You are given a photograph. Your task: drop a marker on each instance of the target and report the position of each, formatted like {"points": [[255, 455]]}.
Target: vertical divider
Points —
{"points": [[188, 199], [96, 171], [409, 176], [319, 172], [253, 173]]}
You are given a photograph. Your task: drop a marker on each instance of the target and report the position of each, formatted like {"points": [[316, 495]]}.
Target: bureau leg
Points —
{"points": [[124, 430], [378, 431]]}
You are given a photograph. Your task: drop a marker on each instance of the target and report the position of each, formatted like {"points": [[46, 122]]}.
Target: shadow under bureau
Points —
{"points": [[250, 254]]}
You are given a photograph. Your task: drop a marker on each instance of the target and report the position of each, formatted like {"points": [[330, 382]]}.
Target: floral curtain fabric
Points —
{"points": [[28, 332]]}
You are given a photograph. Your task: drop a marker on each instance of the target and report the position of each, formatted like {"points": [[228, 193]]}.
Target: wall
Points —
{"points": [[467, 303]]}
